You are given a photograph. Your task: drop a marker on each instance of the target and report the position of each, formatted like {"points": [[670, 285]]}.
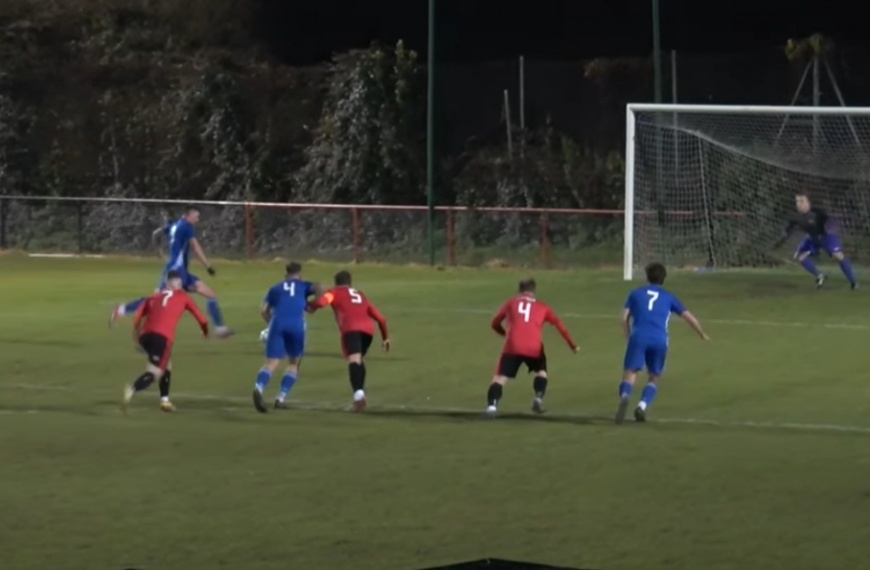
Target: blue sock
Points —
{"points": [[649, 394], [214, 312], [810, 266], [624, 389], [846, 266], [263, 378], [133, 306], [287, 383]]}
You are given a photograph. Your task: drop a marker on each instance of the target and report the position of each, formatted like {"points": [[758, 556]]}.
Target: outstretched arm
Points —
{"points": [[200, 255], [197, 314], [497, 321], [695, 324], [626, 323], [157, 240], [563, 330], [382, 325]]}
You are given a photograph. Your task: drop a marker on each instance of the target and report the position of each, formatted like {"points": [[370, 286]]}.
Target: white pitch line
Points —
{"points": [[321, 406], [615, 317]]}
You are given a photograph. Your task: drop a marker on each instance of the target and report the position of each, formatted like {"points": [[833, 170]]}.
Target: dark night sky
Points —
{"points": [[309, 31]]}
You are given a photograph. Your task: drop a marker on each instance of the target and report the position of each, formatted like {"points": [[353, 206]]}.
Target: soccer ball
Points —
{"points": [[264, 335]]}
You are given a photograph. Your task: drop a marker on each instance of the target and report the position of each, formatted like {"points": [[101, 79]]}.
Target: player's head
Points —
{"points": [[342, 278], [294, 269], [802, 202], [173, 280], [528, 286], [656, 273], [191, 214]]}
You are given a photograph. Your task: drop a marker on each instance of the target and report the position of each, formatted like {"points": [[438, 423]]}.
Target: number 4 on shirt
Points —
{"points": [[525, 309]]}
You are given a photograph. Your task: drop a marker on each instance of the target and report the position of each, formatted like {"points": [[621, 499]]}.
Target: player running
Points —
{"points": [[814, 220], [182, 237], [354, 314], [154, 330], [645, 322], [284, 309], [525, 316]]}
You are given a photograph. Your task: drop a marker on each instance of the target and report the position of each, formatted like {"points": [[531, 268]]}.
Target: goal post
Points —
{"points": [[713, 186]]}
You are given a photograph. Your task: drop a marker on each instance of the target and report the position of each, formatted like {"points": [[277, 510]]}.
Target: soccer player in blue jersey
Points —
{"points": [[645, 322], [284, 309], [814, 222], [181, 235]]}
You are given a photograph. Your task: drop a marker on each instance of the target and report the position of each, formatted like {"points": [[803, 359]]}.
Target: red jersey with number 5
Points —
{"points": [[525, 318], [353, 311], [162, 311]]}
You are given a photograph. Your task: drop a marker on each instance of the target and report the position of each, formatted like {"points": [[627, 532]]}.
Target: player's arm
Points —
{"points": [[324, 301], [498, 320], [789, 228], [191, 307], [686, 315], [139, 319], [157, 239], [200, 255], [821, 220], [554, 320], [266, 311], [626, 322], [379, 318]]}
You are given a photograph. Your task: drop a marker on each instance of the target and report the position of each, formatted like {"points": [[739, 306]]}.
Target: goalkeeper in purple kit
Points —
{"points": [[814, 221]]}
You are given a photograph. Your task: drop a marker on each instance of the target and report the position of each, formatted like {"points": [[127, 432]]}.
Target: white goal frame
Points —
{"points": [[631, 111]]}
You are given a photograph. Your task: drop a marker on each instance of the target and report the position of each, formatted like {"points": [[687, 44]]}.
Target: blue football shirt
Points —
{"points": [[179, 234], [650, 308], [288, 300]]}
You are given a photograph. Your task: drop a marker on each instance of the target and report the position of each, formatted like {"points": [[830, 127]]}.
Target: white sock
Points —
{"points": [[359, 395], [641, 405], [164, 399]]}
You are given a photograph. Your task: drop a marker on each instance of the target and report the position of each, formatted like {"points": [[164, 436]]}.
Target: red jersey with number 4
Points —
{"points": [[162, 311], [353, 311], [525, 318]]}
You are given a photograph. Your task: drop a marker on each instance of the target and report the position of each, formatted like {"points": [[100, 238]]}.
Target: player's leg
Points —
{"points": [[193, 283], [631, 365], [355, 346], [157, 348], [804, 254], [294, 346], [655, 358], [506, 369], [165, 403], [538, 367], [835, 250]]}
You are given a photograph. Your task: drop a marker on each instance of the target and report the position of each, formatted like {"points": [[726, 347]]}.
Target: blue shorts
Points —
{"points": [[648, 352], [285, 342], [829, 242], [188, 280]]}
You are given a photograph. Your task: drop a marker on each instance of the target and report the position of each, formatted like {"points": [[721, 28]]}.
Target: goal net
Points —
{"points": [[714, 186]]}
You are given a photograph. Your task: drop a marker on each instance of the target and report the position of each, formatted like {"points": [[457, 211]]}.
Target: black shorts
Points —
{"points": [[355, 343], [509, 364], [158, 348]]}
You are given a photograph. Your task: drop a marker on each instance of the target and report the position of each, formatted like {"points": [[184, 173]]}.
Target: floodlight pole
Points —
{"points": [[657, 52], [430, 136]]}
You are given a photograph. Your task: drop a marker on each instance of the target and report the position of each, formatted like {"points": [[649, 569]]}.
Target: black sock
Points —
{"points": [[164, 384], [494, 394], [540, 386], [357, 376], [362, 382], [143, 382]]}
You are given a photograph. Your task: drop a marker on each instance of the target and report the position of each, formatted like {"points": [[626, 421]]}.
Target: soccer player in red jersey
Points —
{"points": [[154, 331], [354, 315], [525, 316]]}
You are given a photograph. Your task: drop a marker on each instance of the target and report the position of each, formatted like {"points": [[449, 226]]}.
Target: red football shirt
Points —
{"points": [[162, 311], [353, 311], [525, 317]]}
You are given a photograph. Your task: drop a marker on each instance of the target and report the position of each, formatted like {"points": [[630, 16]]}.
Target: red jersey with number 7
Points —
{"points": [[162, 311], [353, 311], [525, 318]]}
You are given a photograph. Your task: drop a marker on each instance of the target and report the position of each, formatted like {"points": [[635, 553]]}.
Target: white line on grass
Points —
{"points": [[320, 406]]}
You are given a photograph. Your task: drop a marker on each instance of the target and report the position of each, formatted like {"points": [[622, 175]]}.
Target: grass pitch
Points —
{"points": [[756, 455]]}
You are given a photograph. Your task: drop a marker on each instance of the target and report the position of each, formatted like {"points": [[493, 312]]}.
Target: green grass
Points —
{"points": [[756, 455]]}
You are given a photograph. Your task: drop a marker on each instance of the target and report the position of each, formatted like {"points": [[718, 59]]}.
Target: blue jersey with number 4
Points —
{"points": [[179, 234], [288, 301], [650, 308]]}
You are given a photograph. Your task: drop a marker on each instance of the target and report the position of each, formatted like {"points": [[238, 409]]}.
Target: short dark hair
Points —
{"points": [[656, 273], [528, 285], [293, 268], [190, 208], [173, 274], [343, 278], [801, 194]]}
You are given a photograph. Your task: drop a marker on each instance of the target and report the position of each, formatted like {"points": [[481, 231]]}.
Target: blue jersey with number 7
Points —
{"points": [[650, 308], [288, 301]]}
